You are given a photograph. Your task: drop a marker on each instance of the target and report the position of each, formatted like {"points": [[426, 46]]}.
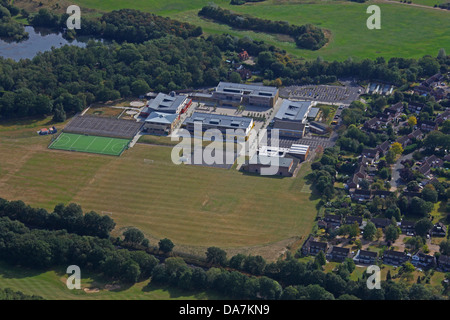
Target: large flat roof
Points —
{"points": [[219, 120], [293, 110], [250, 89], [166, 103]]}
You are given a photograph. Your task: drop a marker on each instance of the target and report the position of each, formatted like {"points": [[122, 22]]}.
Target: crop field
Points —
{"points": [[90, 144], [194, 206], [406, 31]]}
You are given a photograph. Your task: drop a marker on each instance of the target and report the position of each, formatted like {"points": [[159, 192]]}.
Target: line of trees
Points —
{"points": [[306, 36], [70, 218]]}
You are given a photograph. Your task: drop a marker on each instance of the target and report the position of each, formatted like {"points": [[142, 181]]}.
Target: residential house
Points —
{"points": [[438, 230], [423, 260], [243, 55], [333, 220], [312, 247], [444, 263], [434, 162], [395, 111], [424, 169], [366, 257], [416, 134], [415, 107], [442, 117], [353, 219], [360, 195], [339, 253], [370, 155], [383, 147], [381, 222], [381, 193], [429, 125], [408, 227], [373, 125], [395, 258], [403, 140]]}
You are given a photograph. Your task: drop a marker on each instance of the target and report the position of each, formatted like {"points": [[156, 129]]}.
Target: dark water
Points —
{"points": [[39, 40]]}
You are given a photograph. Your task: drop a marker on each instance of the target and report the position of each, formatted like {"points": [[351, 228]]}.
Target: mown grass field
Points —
{"points": [[406, 31], [194, 206], [51, 285]]}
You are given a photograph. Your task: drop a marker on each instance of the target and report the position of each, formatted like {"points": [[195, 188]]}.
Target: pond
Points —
{"points": [[39, 40]]}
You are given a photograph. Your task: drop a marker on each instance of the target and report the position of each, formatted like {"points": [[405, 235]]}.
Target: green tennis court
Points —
{"points": [[91, 144]]}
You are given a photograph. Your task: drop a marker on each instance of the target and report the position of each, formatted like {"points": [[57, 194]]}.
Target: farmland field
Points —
{"points": [[194, 206], [406, 31]]}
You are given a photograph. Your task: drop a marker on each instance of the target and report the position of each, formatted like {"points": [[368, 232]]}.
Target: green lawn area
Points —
{"points": [[51, 285], [406, 31], [194, 206]]}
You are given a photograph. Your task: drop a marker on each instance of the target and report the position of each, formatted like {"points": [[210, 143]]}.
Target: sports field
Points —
{"points": [[91, 144], [194, 206]]}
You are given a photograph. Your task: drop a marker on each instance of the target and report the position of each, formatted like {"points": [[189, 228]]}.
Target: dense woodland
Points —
{"points": [[10, 30], [306, 36]]}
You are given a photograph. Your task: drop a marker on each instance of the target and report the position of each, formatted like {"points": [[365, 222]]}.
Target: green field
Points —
{"points": [[194, 206], [406, 31], [91, 144], [51, 285]]}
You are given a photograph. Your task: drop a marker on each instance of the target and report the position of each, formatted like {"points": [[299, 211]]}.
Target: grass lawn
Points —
{"points": [[194, 206], [406, 31], [51, 285]]}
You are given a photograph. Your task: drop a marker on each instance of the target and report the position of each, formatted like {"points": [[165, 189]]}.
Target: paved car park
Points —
{"points": [[323, 93]]}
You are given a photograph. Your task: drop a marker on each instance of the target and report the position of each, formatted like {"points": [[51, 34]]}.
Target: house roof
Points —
{"points": [[399, 254], [384, 146], [341, 250], [368, 253], [381, 221]]}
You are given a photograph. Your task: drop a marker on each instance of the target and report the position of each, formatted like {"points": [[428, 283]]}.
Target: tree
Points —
{"points": [[390, 156], [391, 233], [397, 148], [369, 231], [412, 121], [444, 247], [133, 235], [379, 234], [429, 193], [139, 87], [320, 258], [216, 256], [442, 54], [166, 245]]}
